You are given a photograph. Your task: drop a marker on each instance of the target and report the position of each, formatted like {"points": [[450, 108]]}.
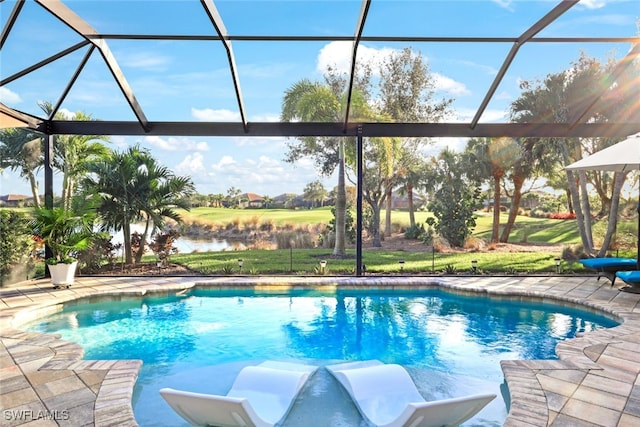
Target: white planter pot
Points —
{"points": [[63, 274]]}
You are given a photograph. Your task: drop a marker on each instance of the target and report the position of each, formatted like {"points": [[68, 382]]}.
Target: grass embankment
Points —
{"points": [[306, 261]]}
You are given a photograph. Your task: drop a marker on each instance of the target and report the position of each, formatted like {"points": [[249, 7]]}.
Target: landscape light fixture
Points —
{"points": [[323, 266], [474, 266], [401, 262], [240, 264], [558, 265]]}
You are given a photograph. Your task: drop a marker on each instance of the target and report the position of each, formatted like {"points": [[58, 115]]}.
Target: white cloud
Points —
{"points": [[465, 115], [211, 115], [262, 175], [449, 85], [265, 118], [175, 144], [338, 56], [224, 163], [8, 97], [192, 164], [453, 144], [593, 4], [67, 113], [505, 4], [277, 143]]}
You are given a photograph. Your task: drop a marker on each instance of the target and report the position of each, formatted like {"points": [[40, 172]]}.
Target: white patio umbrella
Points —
{"points": [[621, 157]]}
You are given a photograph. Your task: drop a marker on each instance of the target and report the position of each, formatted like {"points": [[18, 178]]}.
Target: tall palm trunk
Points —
{"points": [[586, 208], [495, 232], [375, 225], [143, 241], [341, 205], [618, 180], [126, 234], [412, 214], [518, 182], [387, 216], [577, 206], [34, 190]]}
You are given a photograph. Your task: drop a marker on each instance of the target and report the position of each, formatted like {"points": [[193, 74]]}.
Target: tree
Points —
{"points": [[559, 98], [455, 198], [21, 151], [491, 157], [133, 187], [165, 193], [381, 155], [407, 94], [72, 153], [315, 193], [233, 196], [16, 242], [313, 101]]}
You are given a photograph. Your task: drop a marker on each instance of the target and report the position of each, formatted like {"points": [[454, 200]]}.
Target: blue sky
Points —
{"points": [[190, 81]]}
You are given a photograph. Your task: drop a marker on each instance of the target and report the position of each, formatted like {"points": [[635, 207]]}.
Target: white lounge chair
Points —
{"points": [[386, 396], [260, 396]]}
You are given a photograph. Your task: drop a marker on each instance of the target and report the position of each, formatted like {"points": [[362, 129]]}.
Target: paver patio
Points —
{"points": [[44, 381]]}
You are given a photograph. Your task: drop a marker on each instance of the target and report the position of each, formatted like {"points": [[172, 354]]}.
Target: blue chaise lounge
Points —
{"points": [[631, 278], [608, 267]]}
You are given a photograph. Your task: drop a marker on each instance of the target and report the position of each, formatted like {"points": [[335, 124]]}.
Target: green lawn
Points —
{"points": [[306, 261], [278, 216], [526, 229]]}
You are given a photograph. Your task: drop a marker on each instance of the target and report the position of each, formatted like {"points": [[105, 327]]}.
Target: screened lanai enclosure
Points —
{"points": [[239, 94]]}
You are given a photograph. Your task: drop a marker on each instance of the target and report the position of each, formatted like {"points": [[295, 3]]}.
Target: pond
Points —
{"points": [[189, 244]]}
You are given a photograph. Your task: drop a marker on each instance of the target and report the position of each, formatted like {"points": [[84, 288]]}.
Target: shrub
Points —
{"points": [[252, 223], [450, 269], [16, 245], [294, 239], [414, 232], [103, 251], [562, 215], [162, 245]]}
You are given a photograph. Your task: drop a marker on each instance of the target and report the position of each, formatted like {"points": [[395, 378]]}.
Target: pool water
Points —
{"points": [[451, 344]]}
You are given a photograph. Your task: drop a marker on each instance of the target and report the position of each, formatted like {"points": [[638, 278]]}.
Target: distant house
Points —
{"points": [[252, 200], [283, 200], [15, 200]]}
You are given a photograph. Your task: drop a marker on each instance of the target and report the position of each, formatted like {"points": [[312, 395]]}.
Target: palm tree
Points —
{"points": [[312, 101], [492, 157], [556, 100], [72, 155], [163, 192], [21, 150], [133, 187], [383, 155]]}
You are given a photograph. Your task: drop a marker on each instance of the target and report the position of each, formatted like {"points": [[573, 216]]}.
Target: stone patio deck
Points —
{"points": [[44, 381]]}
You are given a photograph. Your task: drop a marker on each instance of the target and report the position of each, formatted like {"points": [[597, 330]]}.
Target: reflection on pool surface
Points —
{"points": [[451, 344]]}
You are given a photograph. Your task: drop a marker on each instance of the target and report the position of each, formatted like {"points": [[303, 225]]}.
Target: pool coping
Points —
{"points": [[587, 385]]}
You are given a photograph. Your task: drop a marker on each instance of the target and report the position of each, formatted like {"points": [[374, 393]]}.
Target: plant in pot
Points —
{"points": [[64, 233]]}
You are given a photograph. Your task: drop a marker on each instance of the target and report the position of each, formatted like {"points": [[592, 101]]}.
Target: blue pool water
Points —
{"points": [[451, 344]]}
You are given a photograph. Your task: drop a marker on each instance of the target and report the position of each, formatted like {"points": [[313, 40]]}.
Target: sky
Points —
{"points": [[190, 81]]}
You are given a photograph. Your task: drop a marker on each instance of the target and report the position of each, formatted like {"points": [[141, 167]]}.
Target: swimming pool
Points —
{"points": [[451, 344]]}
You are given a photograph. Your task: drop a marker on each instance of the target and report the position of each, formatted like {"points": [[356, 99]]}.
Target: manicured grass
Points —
{"points": [[307, 261], [526, 229], [277, 216]]}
